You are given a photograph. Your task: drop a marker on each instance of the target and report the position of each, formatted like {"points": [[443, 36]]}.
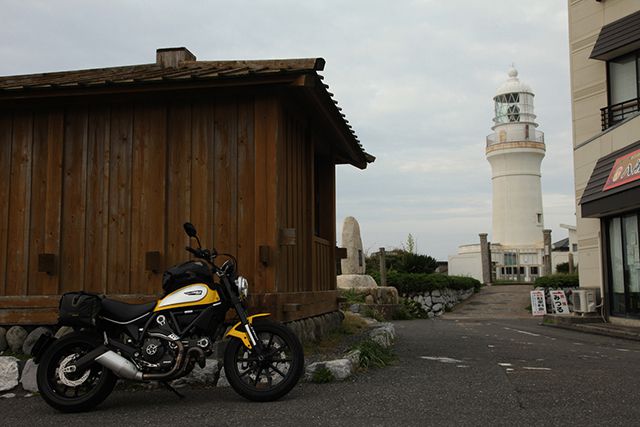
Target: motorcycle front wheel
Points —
{"points": [[69, 391], [273, 376]]}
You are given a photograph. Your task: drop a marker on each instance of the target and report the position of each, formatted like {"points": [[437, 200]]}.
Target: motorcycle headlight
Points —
{"points": [[243, 287]]}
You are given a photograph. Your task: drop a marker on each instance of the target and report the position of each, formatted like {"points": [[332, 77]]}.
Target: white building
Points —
{"points": [[515, 151]]}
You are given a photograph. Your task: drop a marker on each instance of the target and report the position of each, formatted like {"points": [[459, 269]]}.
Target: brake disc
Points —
{"points": [[65, 369]]}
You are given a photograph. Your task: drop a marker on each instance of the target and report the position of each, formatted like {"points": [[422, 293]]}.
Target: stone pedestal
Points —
{"points": [[349, 281]]}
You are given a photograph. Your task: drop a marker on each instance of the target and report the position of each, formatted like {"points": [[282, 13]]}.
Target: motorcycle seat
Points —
{"points": [[124, 312]]}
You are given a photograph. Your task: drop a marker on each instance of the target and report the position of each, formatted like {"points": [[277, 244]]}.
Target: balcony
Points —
{"points": [[616, 113], [532, 136]]}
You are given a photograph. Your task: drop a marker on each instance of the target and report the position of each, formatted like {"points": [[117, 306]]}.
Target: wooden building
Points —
{"points": [[99, 169]]}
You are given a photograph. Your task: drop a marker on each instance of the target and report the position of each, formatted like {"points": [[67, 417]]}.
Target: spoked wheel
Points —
{"points": [[63, 388], [272, 376]]}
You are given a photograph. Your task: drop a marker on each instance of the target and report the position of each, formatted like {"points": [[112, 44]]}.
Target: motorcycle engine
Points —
{"points": [[157, 354]]}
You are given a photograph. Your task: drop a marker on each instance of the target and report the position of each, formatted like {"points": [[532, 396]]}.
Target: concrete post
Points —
{"points": [[383, 267], [572, 266], [485, 259], [547, 252]]}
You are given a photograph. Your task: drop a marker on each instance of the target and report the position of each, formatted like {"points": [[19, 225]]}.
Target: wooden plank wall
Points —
{"points": [[324, 254], [101, 186], [306, 271], [296, 203]]}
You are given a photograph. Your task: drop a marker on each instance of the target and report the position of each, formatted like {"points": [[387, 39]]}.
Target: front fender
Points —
{"points": [[241, 335]]}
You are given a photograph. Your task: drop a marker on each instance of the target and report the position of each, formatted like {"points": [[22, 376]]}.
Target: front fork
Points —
{"points": [[247, 334], [244, 332]]}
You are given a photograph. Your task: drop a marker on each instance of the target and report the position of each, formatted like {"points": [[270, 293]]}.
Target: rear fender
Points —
{"points": [[237, 332], [41, 346]]}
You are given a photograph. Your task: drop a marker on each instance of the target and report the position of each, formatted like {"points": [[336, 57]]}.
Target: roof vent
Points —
{"points": [[171, 57]]}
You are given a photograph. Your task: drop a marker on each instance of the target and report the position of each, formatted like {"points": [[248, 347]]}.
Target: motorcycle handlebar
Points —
{"points": [[205, 254]]}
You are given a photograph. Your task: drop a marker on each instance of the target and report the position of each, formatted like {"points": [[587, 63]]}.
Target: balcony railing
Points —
{"points": [[534, 135], [618, 112]]}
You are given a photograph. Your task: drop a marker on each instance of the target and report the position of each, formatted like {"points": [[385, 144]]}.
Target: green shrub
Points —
{"points": [[415, 309], [558, 281], [401, 261], [409, 310], [401, 313], [411, 283], [562, 267]]}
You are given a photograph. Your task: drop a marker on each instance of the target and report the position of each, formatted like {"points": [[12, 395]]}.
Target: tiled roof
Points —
{"points": [[174, 66], [617, 38], [154, 73]]}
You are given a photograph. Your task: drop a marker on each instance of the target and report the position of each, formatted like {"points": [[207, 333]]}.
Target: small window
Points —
{"points": [[574, 247], [521, 270], [509, 258], [539, 218], [509, 270], [534, 271]]}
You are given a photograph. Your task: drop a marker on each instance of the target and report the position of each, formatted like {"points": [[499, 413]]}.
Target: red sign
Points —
{"points": [[625, 169]]}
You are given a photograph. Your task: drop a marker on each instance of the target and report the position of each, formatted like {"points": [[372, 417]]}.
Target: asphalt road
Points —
{"points": [[448, 372]]}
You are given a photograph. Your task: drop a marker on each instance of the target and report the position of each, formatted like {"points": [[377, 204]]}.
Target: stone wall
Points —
{"points": [[314, 328], [436, 302]]}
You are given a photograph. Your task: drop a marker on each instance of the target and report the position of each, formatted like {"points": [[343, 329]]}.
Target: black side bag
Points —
{"points": [[79, 309]]}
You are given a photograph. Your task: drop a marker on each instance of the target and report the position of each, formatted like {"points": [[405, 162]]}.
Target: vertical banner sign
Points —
{"points": [[559, 302], [538, 304]]}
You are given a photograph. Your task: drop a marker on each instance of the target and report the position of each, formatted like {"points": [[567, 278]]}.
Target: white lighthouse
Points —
{"points": [[515, 151], [520, 248]]}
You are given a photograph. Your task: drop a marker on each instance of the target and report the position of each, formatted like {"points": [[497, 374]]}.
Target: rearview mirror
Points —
{"points": [[190, 229]]}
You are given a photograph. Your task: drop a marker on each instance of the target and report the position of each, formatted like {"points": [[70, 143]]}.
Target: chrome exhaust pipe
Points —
{"points": [[119, 365]]}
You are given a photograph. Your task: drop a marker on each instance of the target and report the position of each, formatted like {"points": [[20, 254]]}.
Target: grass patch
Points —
{"points": [[19, 356], [352, 324], [373, 313], [373, 355], [352, 296], [322, 375]]}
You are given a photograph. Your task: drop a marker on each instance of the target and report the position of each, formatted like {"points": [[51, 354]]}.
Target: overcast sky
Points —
{"points": [[415, 79]]}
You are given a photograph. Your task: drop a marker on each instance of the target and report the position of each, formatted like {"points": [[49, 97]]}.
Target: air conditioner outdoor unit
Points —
{"points": [[584, 300]]}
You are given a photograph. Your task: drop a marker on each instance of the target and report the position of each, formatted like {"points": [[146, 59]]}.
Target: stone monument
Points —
{"points": [[353, 267]]}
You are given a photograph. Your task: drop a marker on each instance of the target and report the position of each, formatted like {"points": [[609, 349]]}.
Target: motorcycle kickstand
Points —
{"points": [[170, 388]]}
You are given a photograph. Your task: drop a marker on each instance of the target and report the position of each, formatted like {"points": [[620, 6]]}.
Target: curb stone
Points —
{"points": [[9, 373], [28, 378]]}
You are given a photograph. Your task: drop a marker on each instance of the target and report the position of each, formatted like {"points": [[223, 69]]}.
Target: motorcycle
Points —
{"points": [[164, 340]]}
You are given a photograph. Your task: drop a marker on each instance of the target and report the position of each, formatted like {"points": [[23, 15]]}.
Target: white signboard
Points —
{"points": [[538, 304], [559, 302]]}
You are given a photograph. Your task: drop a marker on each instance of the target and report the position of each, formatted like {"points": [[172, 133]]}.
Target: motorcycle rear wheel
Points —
{"points": [[71, 391], [273, 377]]}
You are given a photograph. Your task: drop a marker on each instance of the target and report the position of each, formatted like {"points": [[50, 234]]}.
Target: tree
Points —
{"points": [[411, 245]]}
